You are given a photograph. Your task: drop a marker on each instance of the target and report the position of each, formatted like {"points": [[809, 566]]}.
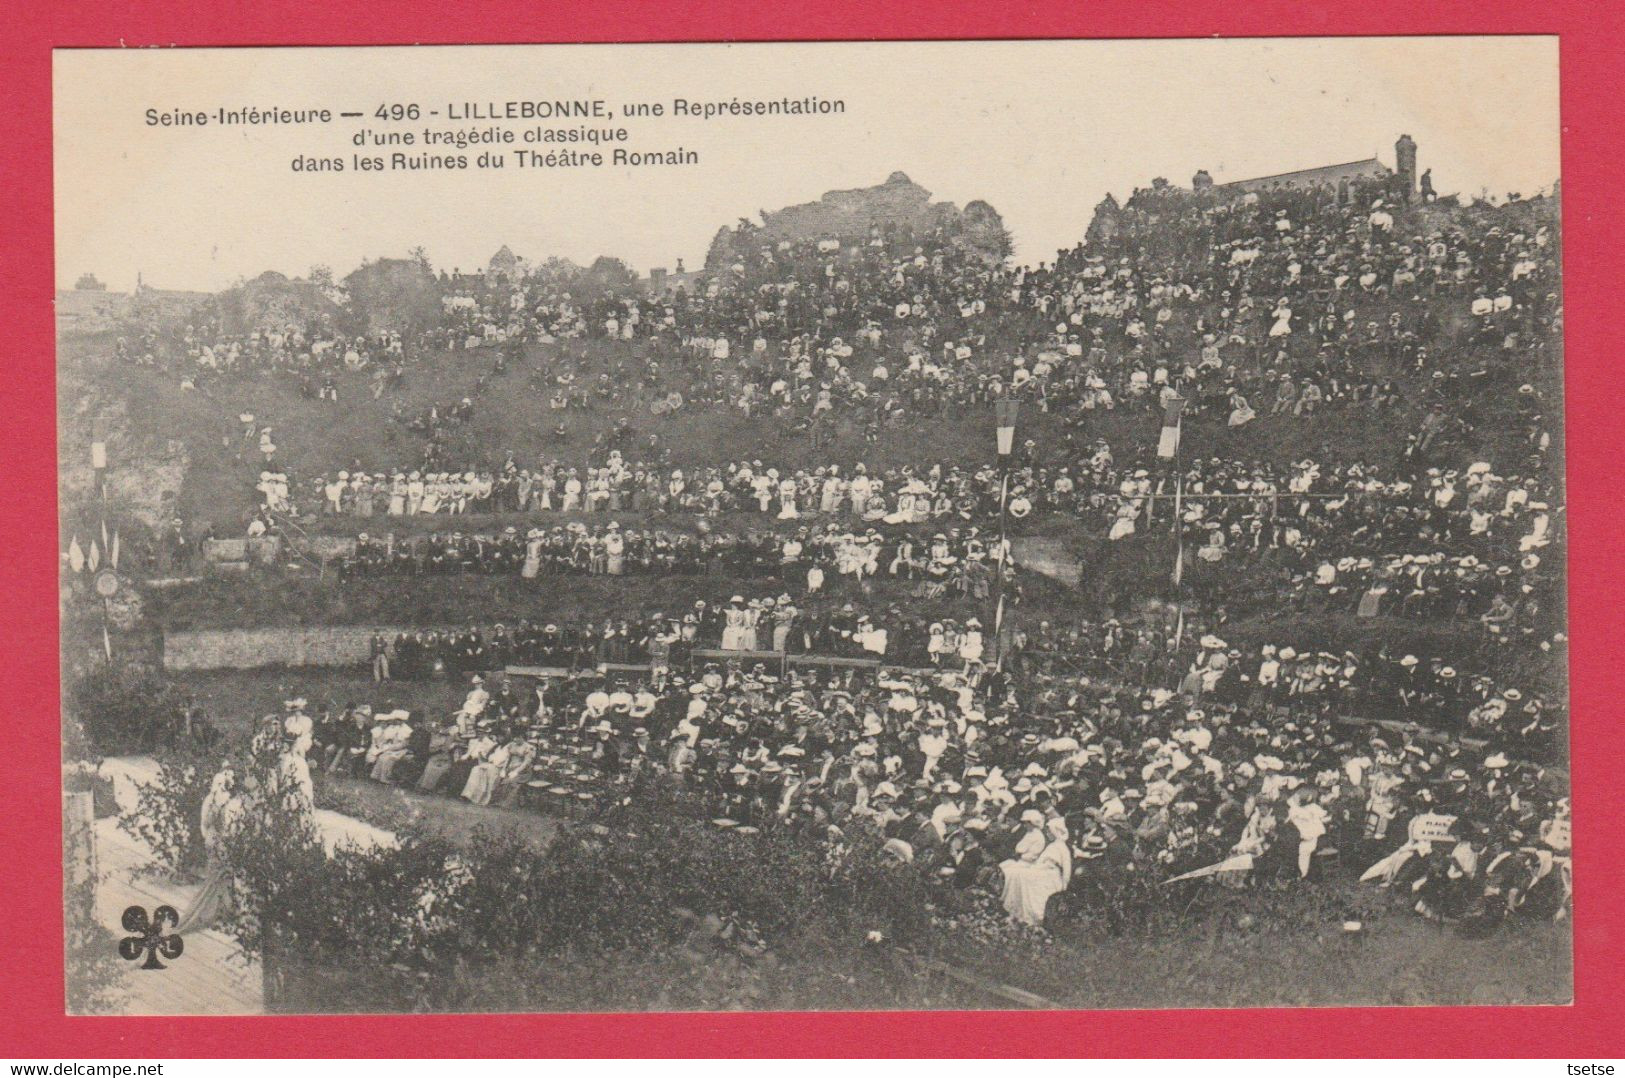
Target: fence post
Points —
{"points": [[79, 844]]}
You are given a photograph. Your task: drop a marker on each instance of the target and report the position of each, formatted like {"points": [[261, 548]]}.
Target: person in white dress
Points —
{"points": [[970, 644], [1306, 814], [1041, 868], [1283, 321], [733, 628], [787, 499]]}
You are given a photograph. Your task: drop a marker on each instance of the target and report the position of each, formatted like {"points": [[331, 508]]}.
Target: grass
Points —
{"points": [[1401, 961], [450, 818], [1403, 964]]}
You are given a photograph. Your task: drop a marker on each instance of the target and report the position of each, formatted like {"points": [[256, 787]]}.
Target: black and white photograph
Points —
{"points": [[1059, 525]]}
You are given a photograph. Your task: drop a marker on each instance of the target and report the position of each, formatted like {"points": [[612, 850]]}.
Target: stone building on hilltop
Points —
{"points": [[662, 280], [1344, 179], [1365, 168], [1332, 175]]}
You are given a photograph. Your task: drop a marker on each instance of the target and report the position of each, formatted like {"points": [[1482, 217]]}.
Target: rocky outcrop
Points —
{"points": [[856, 212], [273, 301]]}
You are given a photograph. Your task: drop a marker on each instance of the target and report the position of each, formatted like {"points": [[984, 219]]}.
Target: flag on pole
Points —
{"points": [[1168, 444], [998, 565], [1179, 531], [98, 444], [1004, 422]]}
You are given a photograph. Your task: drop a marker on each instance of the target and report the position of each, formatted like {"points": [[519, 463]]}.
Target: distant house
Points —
{"points": [[661, 280], [1328, 175], [1331, 175], [88, 307]]}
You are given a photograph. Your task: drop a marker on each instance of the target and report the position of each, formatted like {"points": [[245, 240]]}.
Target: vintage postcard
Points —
{"points": [[819, 526]]}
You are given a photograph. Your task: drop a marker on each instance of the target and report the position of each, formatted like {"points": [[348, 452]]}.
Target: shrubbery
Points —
{"points": [[648, 907], [708, 918], [91, 970], [126, 709], [168, 811]]}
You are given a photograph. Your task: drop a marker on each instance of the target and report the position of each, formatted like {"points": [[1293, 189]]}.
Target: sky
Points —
{"points": [[1041, 130]]}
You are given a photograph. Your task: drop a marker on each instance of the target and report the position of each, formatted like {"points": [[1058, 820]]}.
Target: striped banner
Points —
{"points": [[1168, 444]]}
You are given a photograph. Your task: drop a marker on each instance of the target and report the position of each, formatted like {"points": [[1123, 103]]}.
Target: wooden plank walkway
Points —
{"points": [[210, 977]]}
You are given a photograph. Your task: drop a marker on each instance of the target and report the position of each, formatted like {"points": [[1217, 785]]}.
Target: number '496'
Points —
{"points": [[397, 112]]}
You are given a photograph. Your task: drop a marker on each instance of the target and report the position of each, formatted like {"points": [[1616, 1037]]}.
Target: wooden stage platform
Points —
{"points": [[210, 977]]}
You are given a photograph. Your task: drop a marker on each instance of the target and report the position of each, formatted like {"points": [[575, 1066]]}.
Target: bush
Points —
{"points": [[168, 812], [649, 908], [710, 918], [91, 964]]}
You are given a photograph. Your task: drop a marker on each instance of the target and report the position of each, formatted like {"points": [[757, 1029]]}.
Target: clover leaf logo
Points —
{"points": [[151, 936]]}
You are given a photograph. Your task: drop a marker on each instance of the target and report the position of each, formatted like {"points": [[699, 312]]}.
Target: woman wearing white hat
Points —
{"points": [[1041, 868]]}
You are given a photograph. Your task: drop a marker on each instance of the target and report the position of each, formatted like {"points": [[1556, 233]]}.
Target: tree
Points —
{"points": [[1103, 225], [394, 293], [605, 277], [984, 229], [721, 251]]}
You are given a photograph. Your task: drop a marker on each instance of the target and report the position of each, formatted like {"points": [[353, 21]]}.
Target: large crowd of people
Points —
{"points": [[1478, 696], [1035, 759], [980, 772], [1433, 542], [1270, 307], [964, 562]]}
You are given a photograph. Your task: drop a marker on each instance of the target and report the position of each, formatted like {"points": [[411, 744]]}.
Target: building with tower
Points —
{"points": [[1330, 175]]}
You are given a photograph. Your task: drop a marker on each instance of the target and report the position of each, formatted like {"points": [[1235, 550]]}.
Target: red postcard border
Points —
{"points": [[31, 972]]}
